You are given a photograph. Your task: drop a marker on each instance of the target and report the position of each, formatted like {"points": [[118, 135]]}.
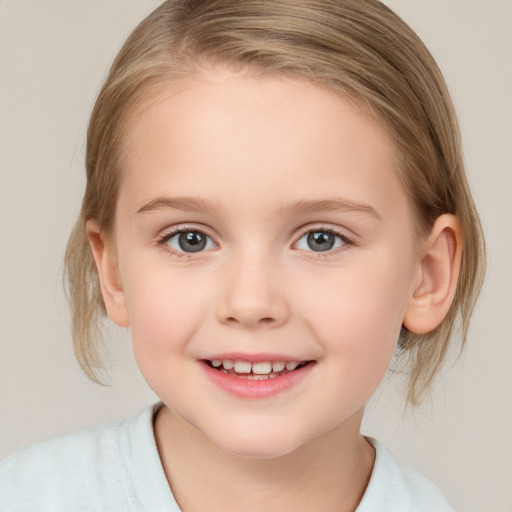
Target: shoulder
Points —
{"points": [[64, 470], [397, 487], [89, 470]]}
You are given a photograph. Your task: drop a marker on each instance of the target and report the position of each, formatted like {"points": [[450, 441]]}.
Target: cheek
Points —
{"points": [[164, 311], [358, 321]]}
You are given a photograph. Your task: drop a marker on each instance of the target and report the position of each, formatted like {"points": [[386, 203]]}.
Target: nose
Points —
{"points": [[252, 295]]}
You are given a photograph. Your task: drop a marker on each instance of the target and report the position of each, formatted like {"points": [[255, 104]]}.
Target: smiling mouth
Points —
{"points": [[256, 371]]}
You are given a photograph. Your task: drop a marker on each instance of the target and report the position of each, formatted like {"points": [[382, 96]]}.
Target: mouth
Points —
{"points": [[261, 370]]}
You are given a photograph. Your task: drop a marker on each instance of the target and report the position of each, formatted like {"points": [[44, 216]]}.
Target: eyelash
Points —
{"points": [[347, 241], [164, 239]]}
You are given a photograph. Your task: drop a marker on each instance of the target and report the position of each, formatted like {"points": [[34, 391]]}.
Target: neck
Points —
{"points": [[328, 473]]}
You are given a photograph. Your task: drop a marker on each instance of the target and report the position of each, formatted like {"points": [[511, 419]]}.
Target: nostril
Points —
{"points": [[264, 320], [263, 312]]}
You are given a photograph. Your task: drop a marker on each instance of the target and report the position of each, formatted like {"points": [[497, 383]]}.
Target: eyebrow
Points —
{"points": [[189, 204], [329, 205], [302, 207]]}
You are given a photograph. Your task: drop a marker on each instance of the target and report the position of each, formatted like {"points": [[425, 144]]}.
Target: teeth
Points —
{"points": [[262, 368], [242, 367], [278, 366], [258, 377]]}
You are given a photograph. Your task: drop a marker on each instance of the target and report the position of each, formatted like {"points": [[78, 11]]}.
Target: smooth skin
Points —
{"points": [[255, 164]]}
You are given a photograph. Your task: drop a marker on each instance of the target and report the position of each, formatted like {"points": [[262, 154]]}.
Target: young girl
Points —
{"points": [[276, 205]]}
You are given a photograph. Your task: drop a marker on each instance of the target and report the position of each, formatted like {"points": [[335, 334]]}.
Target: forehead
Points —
{"points": [[231, 134]]}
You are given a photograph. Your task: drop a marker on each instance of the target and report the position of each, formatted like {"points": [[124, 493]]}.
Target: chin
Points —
{"points": [[261, 444]]}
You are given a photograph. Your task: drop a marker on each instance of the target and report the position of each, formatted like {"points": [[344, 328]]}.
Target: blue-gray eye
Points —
{"points": [[190, 241], [320, 241]]}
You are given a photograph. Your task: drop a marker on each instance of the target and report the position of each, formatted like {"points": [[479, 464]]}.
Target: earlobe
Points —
{"points": [[439, 270], [108, 273]]}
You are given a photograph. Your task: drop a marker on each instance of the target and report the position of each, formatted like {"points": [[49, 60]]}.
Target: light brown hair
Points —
{"points": [[358, 48]]}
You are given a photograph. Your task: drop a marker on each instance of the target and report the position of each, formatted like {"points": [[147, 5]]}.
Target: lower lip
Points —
{"points": [[243, 387]]}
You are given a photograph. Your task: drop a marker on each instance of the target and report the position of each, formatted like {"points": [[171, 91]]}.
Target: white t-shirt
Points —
{"points": [[116, 468]]}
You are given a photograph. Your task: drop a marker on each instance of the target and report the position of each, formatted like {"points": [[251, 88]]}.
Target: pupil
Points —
{"points": [[192, 241], [320, 241]]}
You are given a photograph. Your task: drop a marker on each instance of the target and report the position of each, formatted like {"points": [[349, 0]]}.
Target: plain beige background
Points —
{"points": [[53, 57]]}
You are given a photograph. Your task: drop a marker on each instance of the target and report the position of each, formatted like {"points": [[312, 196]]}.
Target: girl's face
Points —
{"points": [[261, 222]]}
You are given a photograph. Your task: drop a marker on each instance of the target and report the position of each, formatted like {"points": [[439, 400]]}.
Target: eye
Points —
{"points": [[321, 240], [188, 241]]}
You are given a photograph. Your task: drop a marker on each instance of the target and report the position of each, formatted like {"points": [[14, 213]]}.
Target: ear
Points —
{"points": [[439, 272], [108, 273]]}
